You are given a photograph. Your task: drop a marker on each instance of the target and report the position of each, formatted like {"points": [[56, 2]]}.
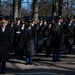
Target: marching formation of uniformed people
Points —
{"points": [[24, 38]]}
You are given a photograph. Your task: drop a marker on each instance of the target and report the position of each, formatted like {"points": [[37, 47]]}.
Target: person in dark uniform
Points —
{"points": [[45, 33], [11, 26], [40, 36], [57, 35], [5, 41], [35, 32], [22, 40], [17, 32], [69, 35], [35, 26], [47, 39], [29, 43]]}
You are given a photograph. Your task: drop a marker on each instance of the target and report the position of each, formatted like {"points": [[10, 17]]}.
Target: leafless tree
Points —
{"points": [[19, 8], [35, 9], [0, 7], [15, 12], [6, 7]]}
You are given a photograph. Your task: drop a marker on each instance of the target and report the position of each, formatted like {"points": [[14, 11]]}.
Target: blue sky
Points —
{"points": [[26, 5]]}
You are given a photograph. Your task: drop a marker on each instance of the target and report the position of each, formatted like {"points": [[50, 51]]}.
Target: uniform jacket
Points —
{"points": [[57, 35], [5, 41], [30, 41]]}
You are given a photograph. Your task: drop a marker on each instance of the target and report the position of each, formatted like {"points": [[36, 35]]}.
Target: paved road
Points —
{"points": [[42, 66]]}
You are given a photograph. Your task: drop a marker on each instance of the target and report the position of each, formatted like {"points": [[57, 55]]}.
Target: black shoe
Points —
{"points": [[54, 60], [47, 55], [27, 63], [3, 73], [30, 63], [58, 60], [0, 72]]}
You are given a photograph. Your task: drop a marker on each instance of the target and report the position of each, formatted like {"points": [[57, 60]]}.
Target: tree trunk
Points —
{"points": [[55, 7], [19, 8], [35, 10], [0, 7], [15, 8], [60, 7]]}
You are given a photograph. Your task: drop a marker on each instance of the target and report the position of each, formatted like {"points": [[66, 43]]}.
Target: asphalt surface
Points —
{"points": [[42, 65]]}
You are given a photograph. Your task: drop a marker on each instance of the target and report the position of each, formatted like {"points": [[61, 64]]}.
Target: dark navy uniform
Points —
{"points": [[69, 36], [47, 39], [40, 37], [17, 32], [29, 44], [5, 41], [57, 37]]}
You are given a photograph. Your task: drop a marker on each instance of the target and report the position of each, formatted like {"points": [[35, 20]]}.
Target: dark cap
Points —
{"points": [[3, 20], [17, 19], [60, 17]]}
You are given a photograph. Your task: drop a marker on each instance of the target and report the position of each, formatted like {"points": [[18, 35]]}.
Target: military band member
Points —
{"points": [[45, 33], [22, 40], [17, 32], [47, 39], [69, 35], [40, 36], [29, 43], [57, 35], [5, 41], [11, 26]]}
